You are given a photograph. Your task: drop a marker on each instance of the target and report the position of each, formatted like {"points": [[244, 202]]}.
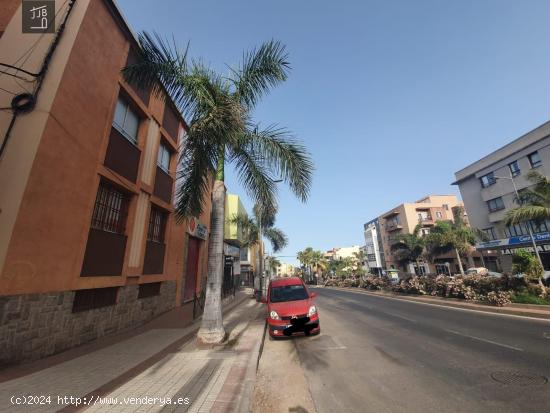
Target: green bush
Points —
{"points": [[525, 297]]}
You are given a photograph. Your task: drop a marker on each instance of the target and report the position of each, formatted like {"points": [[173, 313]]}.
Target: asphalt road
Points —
{"points": [[377, 354]]}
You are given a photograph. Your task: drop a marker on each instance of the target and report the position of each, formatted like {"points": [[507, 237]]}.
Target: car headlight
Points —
{"points": [[274, 315], [312, 311]]}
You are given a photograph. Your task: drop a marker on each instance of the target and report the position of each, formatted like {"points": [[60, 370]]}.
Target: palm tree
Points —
{"points": [[221, 130], [534, 202], [305, 258], [274, 263], [451, 236], [319, 262], [409, 247], [251, 229]]}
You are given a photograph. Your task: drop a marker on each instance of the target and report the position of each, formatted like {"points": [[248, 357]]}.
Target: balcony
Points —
{"points": [[122, 156], [393, 226], [153, 262], [163, 185], [104, 253]]}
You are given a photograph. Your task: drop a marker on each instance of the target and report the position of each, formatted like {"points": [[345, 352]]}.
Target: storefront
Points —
{"points": [[508, 246]]}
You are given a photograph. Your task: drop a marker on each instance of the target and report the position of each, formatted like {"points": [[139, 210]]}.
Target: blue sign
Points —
{"points": [[522, 239]]}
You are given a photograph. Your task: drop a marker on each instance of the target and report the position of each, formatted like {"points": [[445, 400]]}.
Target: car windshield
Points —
{"points": [[288, 293]]}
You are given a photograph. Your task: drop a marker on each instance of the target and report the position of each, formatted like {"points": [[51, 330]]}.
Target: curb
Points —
{"points": [[480, 308], [250, 376]]}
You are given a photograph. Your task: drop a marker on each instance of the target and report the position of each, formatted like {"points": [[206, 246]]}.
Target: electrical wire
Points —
{"points": [[25, 102]]}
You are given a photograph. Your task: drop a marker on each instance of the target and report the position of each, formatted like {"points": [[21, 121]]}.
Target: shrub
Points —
{"points": [[500, 298], [525, 297]]}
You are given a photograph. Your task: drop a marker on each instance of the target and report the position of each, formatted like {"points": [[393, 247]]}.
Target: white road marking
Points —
{"points": [[443, 305], [484, 340]]}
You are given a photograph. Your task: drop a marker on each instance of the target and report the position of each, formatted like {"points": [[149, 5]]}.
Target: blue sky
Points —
{"points": [[390, 97]]}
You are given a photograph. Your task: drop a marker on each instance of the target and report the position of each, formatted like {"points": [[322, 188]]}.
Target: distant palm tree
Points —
{"points": [[318, 261], [305, 257], [454, 236], [534, 202], [219, 110], [409, 247], [250, 227]]}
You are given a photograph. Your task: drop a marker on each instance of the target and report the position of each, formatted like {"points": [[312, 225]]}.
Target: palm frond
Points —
{"points": [[526, 213], [260, 70], [195, 166], [276, 238], [254, 176], [284, 156]]}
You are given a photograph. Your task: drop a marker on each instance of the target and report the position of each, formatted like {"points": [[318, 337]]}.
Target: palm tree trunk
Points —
{"points": [[459, 262], [211, 330]]}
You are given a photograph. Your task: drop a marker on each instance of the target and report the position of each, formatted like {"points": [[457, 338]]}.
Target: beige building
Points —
{"points": [[285, 270], [405, 217]]}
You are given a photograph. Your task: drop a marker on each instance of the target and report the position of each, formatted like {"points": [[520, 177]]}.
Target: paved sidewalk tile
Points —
{"points": [[183, 372]]}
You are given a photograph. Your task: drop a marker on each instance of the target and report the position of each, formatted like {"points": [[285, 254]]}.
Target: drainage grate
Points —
{"points": [[517, 378]]}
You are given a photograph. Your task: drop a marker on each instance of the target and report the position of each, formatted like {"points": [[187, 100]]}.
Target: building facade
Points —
{"points": [[374, 249], [487, 188], [404, 218], [89, 243]]}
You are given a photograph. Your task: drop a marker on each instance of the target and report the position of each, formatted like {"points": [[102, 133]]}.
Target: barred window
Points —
{"points": [[110, 210], [157, 224]]}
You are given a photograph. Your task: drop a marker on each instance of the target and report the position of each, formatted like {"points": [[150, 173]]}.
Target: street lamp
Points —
{"points": [[263, 284], [511, 178]]}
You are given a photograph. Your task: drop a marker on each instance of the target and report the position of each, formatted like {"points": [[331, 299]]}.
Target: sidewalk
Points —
{"points": [[145, 372], [525, 310]]}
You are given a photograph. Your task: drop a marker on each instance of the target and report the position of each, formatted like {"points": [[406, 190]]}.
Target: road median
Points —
{"points": [[524, 310]]}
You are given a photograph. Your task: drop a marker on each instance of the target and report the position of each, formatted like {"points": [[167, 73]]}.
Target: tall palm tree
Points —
{"points": [[305, 258], [454, 236], [534, 202], [409, 247], [218, 110], [318, 261]]}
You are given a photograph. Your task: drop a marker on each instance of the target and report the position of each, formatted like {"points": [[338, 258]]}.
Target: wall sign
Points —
{"points": [[197, 229], [523, 239]]}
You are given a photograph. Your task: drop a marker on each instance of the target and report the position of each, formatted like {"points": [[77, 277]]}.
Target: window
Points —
{"points": [[514, 168], [534, 159], [495, 204], [244, 254], [490, 232], [438, 214], [157, 224], [446, 207], [540, 225], [148, 290], [288, 293], [487, 180], [425, 231], [110, 209], [516, 230], [96, 298], [163, 159], [126, 121]]}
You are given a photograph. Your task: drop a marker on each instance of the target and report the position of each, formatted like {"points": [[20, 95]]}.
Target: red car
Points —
{"points": [[291, 308]]}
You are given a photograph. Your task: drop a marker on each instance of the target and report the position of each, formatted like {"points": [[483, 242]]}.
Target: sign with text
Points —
{"points": [[513, 241], [38, 16], [197, 229]]}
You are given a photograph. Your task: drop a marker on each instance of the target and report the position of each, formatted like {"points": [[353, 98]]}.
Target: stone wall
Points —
{"points": [[33, 326]]}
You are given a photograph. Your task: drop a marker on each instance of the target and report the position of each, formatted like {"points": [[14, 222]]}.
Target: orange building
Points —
{"points": [[89, 243]]}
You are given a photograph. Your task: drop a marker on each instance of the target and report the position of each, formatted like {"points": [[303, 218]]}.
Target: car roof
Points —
{"points": [[279, 282]]}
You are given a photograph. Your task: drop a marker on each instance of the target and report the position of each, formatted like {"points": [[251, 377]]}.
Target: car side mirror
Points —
{"points": [[264, 300], [312, 295]]}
